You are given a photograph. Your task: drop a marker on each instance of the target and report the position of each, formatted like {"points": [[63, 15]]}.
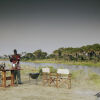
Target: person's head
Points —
{"points": [[15, 51]]}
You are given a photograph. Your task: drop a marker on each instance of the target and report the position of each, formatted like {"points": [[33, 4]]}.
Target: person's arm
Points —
{"points": [[10, 58], [18, 59]]}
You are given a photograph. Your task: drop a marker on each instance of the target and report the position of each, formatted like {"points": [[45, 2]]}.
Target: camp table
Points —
{"points": [[11, 77]]}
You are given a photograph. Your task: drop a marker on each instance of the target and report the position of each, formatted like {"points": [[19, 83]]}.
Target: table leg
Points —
{"points": [[12, 78], [3, 78], [57, 81]]}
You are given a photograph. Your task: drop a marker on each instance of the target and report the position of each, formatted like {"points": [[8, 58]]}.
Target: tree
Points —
{"points": [[43, 55], [37, 54], [28, 56]]}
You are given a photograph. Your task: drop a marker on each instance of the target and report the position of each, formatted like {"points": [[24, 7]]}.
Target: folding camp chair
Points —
{"points": [[63, 76], [46, 76], [53, 79]]}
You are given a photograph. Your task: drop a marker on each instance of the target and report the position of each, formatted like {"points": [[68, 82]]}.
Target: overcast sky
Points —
{"points": [[28, 25]]}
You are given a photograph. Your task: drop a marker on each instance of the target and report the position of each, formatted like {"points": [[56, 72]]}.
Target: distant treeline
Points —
{"points": [[84, 53]]}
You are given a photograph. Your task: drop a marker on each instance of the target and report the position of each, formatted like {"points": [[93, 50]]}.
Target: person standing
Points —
{"points": [[15, 59]]}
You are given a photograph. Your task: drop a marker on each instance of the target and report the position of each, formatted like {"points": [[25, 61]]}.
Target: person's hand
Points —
{"points": [[18, 67]]}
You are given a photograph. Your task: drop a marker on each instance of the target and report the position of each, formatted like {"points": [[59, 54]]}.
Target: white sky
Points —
{"points": [[48, 29]]}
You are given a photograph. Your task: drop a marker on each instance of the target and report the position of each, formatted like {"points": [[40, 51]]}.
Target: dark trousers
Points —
{"points": [[17, 76]]}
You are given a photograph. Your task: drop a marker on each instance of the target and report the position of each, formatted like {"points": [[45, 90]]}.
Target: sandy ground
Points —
{"points": [[29, 90]]}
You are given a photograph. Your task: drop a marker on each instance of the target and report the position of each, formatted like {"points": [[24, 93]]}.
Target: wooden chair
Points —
{"points": [[63, 76], [46, 76], [53, 79]]}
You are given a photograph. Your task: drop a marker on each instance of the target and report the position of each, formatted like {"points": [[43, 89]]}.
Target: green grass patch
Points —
{"points": [[95, 79]]}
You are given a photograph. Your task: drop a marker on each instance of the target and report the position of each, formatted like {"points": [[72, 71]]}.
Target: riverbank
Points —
{"points": [[82, 63]]}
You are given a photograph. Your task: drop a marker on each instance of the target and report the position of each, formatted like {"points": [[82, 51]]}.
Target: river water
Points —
{"points": [[70, 67]]}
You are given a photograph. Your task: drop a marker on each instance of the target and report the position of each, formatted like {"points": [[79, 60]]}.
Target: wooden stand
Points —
{"points": [[4, 78]]}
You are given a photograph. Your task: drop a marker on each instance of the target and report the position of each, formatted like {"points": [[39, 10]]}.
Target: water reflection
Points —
{"points": [[70, 67]]}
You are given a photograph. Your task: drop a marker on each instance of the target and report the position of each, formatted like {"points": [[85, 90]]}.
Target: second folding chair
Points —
{"points": [[46, 76], [63, 77]]}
